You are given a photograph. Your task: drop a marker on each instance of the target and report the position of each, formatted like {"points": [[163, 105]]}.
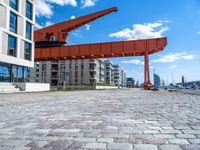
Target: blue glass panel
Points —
{"points": [[28, 10], [27, 51], [4, 72], [20, 74], [12, 51], [14, 4], [28, 30], [13, 22]]}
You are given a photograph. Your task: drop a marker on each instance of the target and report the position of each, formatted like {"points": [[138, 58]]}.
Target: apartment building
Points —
{"points": [[16, 39], [69, 72], [119, 76], [130, 83], [109, 72]]}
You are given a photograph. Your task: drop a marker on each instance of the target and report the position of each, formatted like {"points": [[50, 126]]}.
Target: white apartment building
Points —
{"points": [[17, 19], [69, 72], [109, 72], [119, 76]]}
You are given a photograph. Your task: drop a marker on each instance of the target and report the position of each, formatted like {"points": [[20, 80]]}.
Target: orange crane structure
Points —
{"points": [[50, 44]]}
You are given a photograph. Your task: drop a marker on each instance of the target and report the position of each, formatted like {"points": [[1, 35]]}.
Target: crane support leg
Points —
{"points": [[147, 82]]}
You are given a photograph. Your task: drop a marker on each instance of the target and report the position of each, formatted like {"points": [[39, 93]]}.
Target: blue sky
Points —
{"points": [[137, 19]]}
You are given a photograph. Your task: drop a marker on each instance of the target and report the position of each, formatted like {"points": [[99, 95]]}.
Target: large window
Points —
{"points": [[13, 22], [4, 72], [12, 46], [14, 4], [28, 30], [28, 51], [29, 10]]}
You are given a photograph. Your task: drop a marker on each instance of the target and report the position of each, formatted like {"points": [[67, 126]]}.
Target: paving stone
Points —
{"points": [[170, 147], [73, 130], [191, 131], [116, 135], [170, 131], [70, 120], [164, 136], [190, 147], [120, 146], [145, 147], [178, 141], [85, 139], [194, 141], [185, 136], [105, 140], [95, 146], [196, 127], [151, 131]]}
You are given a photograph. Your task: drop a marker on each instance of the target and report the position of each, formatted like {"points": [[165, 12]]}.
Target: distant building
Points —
{"points": [[119, 76], [183, 81], [109, 72], [78, 72], [70, 72], [130, 83], [163, 82], [157, 81]]}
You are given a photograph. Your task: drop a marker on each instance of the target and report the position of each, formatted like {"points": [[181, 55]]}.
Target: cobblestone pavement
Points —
{"points": [[128, 119]]}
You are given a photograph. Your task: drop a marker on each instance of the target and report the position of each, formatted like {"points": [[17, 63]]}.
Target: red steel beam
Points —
{"points": [[59, 29], [101, 50]]}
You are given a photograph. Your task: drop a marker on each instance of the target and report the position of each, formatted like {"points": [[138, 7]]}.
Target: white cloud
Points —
{"points": [[88, 3], [172, 67], [38, 26], [134, 61], [199, 32], [45, 7], [142, 31], [87, 27], [48, 23], [72, 17], [174, 57]]}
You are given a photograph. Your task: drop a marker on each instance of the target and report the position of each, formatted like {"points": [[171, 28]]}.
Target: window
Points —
{"points": [[28, 51], [14, 4], [29, 10], [13, 22], [12, 46], [28, 30]]}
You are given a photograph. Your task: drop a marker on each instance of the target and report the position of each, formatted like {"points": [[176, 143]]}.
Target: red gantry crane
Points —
{"points": [[50, 44]]}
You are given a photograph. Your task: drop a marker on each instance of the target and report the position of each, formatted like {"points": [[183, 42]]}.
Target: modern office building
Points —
{"points": [[69, 72], [130, 83], [157, 80], [16, 39]]}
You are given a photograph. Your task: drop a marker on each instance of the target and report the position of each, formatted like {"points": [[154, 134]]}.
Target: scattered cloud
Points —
{"points": [[38, 26], [48, 23], [133, 61], [199, 32], [172, 67], [72, 17], [87, 27], [142, 31], [174, 57], [88, 3], [45, 7]]}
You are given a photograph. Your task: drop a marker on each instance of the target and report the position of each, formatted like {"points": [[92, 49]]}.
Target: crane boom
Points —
{"points": [[56, 34]]}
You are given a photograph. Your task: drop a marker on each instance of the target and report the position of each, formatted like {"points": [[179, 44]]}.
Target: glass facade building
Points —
{"points": [[16, 40], [13, 73]]}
